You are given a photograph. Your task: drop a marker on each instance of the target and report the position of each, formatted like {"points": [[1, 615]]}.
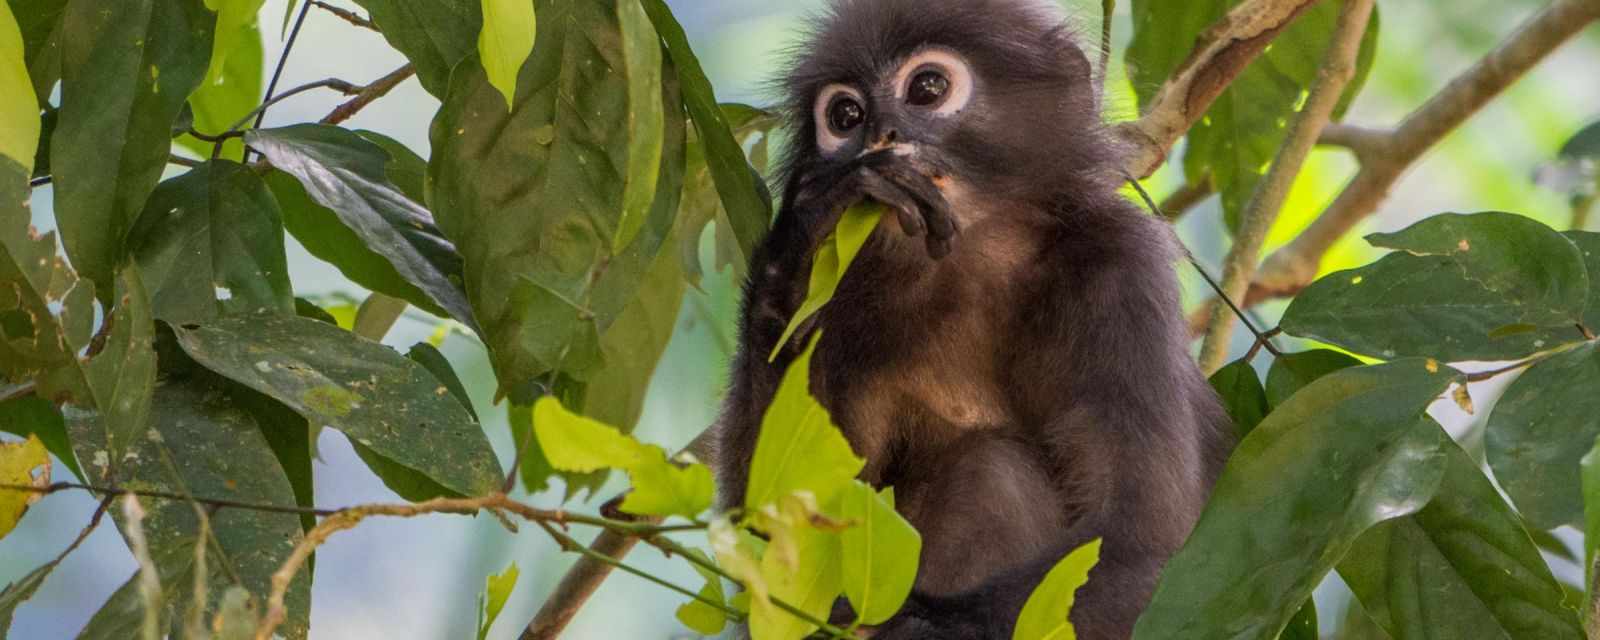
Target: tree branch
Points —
{"points": [[1338, 67], [1295, 266], [1183, 199], [377, 89], [346, 15], [1220, 54]]}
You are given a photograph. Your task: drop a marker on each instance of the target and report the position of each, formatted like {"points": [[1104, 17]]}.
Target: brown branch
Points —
{"points": [[1295, 266], [1184, 198], [1367, 144], [346, 15], [1338, 67], [1222, 51], [378, 89]]}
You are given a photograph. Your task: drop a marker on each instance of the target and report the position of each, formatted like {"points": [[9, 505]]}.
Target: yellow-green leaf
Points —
{"points": [[235, 19], [881, 551], [505, 42], [496, 590], [838, 250], [641, 52], [1044, 617], [697, 614], [19, 108], [576, 443], [810, 585], [18, 461], [799, 448], [661, 488]]}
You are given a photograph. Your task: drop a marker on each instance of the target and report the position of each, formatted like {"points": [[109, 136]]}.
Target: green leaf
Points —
{"points": [[881, 551], [21, 463], [641, 49], [748, 210], [571, 442], [46, 313], [633, 346], [1590, 467], [833, 258], [1304, 624], [1589, 245], [496, 590], [406, 169], [1583, 144], [19, 107], [127, 68], [1538, 432], [119, 378], [1486, 286], [546, 280], [211, 242], [40, 23], [236, 22], [1462, 567], [1044, 616], [33, 416], [1242, 395], [20, 590], [699, 616], [1350, 451], [223, 100], [346, 173], [505, 42], [375, 396], [702, 205], [1291, 372], [433, 34], [810, 585], [799, 448], [429, 357], [191, 424]]}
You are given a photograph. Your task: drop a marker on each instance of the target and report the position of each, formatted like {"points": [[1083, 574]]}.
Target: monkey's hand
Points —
{"points": [[885, 178]]}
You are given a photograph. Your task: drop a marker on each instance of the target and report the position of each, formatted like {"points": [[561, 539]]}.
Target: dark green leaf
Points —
{"points": [[546, 280], [308, 309], [120, 378], [1453, 290], [1291, 372], [375, 396], [748, 210], [1304, 624], [1539, 430], [702, 205], [211, 241], [1462, 567], [127, 69], [40, 23], [1583, 144], [217, 104], [289, 435], [433, 34], [34, 416], [1589, 245], [47, 130], [1241, 395], [405, 169], [633, 345], [46, 313], [429, 357], [344, 172], [200, 443], [1349, 452], [1590, 465]]}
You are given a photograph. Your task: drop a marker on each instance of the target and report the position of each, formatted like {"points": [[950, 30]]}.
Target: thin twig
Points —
{"points": [[23, 390], [164, 495], [366, 95], [1186, 197], [182, 161], [568, 544], [1338, 67], [277, 71], [347, 15], [342, 86], [1108, 10], [40, 181]]}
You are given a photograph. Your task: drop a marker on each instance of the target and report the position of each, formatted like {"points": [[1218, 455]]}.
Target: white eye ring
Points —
{"points": [[827, 139], [954, 68]]}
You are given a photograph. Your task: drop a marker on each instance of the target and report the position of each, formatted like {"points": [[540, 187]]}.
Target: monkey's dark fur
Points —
{"points": [[1020, 372]]}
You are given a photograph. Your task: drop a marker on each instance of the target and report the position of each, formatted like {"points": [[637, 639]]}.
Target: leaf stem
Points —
{"points": [[346, 15], [569, 544], [342, 86]]}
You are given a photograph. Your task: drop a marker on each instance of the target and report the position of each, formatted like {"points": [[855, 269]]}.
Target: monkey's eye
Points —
{"points": [[927, 88], [845, 113]]}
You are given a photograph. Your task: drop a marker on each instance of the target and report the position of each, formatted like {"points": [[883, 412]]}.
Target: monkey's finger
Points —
{"points": [[905, 207], [937, 217]]}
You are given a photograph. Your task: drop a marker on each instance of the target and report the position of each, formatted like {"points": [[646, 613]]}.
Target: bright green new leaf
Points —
{"points": [[641, 52], [881, 550], [18, 462], [496, 590], [1044, 617], [223, 100], [661, 488], [504, 43], [699, 616], [810, 585], [833, 258], [799, 448], [19, 107], [236, 21], [571, 442]]}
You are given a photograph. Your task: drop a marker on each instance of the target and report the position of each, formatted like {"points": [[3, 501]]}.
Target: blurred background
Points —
{"points": [[421, 578]]}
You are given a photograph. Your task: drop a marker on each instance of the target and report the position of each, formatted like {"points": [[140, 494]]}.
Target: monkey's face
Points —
{"points": [[986, 97]]}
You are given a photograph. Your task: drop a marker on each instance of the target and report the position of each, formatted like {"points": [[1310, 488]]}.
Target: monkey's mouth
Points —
{"points": [[895, 177]]}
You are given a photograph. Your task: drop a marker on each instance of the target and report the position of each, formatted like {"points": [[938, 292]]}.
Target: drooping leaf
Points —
{"points": [[199, 443], [811, 584], [1486, 286], [1044, 616], [19, 107], [375, 396], [1540, 428], [1241, 395], [799, 448], [881, 551], [40, 24], [1291, 372], [571, 442], [223, 100], [702, 204], [833, 258], [505, 42], [127, 69], [1350, 451], [36, 417], [547, 280], [699, 616], [21, 463], [433, 34], [1462, 567], [345, 173], [496, 590], [749, 212], [210, 242]]}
